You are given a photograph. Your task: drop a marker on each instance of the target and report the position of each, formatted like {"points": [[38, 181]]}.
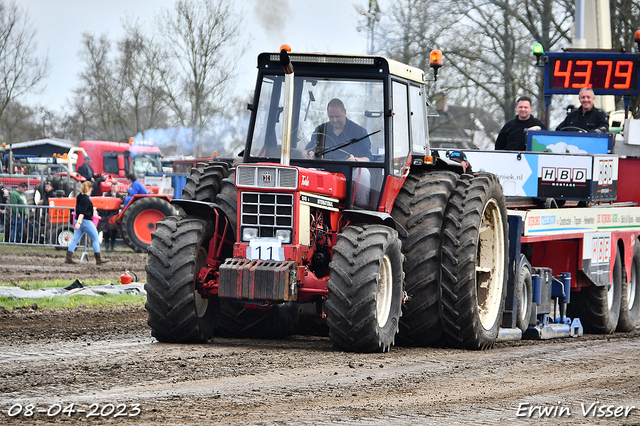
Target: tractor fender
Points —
{"points": [[202, 209], [365, 216]]}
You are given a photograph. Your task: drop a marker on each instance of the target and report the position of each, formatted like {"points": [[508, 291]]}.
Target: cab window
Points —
{"points": [[400, 128]]}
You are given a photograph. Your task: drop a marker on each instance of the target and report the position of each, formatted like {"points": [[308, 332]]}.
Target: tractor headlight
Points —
{"points": [[284, 235], [249, 233]]}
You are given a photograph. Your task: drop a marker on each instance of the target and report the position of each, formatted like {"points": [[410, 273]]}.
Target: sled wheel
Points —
{"points": [[599, 307], [524, 294], [630, 304]]}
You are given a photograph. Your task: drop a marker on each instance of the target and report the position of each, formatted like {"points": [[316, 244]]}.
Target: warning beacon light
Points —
{"points": [[435, 61], [538, 51]]}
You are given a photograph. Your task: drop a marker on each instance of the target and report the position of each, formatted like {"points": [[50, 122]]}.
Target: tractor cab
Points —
{"points": [[358, 116]]}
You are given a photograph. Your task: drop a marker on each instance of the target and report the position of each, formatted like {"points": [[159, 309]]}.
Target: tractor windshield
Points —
{"points": [[333, 119], [146, 163]]}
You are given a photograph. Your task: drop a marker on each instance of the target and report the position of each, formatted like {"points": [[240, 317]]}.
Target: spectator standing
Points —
{"points": [[18, 214], [112, 231], [47, 193], [4, 199], [84, 225]]}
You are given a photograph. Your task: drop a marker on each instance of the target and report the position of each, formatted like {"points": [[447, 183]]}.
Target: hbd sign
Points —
{"points": [[564, 175]]}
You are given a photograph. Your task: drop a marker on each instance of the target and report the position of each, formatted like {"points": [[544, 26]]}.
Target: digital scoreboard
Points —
{"points": [[606, 73]]}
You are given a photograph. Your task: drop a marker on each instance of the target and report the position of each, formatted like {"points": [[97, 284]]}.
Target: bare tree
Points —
{"points": [[99, 95], [138, 60], [204, 45], [486, 45], [20, 70]]}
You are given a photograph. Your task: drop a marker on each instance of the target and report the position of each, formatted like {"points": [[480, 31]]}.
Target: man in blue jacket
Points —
{"points": [[339, 130], [135, 187]]}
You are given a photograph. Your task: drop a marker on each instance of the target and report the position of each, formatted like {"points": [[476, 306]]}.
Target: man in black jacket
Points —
{"points": [[587, 117], [86, 170], [513, 136]]}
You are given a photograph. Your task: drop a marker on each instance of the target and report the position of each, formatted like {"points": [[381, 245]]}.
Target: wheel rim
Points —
{"points": [[490, 265], [524, 295], [201, 303], [384, 291], [145, 223], [631, 288], [64, 238]]}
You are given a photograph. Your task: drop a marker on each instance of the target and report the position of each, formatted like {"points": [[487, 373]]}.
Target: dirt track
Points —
{"points": [[107, 356], [48, 263]]}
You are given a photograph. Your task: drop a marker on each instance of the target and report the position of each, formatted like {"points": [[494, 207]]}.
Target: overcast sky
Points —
{"points": [[306, 25]]}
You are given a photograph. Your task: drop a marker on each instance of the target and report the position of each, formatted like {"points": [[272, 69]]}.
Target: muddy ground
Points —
{"points": [[33, 264], [105, 362]]}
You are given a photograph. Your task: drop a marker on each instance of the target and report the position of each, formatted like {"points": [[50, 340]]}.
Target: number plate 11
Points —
{"points": [[265, 249]]}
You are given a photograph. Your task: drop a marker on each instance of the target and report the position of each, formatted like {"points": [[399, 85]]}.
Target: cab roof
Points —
{"points": [[391, 66]]}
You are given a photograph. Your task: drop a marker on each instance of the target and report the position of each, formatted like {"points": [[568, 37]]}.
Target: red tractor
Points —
{"points": [[339, 206]]}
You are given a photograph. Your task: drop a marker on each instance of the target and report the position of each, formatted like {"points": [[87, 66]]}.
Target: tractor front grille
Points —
{"points": [[266, 211], [267, 177]]}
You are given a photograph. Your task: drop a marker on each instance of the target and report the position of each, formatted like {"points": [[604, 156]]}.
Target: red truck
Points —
{"points": [[114, 160]]}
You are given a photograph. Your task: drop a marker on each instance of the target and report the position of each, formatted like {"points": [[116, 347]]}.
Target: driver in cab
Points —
{"points": [[587, 118], [337, 131]]}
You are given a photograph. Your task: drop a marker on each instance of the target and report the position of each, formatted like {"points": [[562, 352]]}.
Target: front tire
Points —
{"points": [[474, 262], [177, 311], [365, 289]]}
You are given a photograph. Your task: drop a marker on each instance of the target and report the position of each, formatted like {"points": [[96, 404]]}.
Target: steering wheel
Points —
{"points": [[343, 152], [573, 129]]}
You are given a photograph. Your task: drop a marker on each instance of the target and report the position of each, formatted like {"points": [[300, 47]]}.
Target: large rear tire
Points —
{"points": [[205, 181], [71, 188], [177, 311], [474, 262], [419, 209], [139, 221], [365, 289], [630, 302], [228, 198]]}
